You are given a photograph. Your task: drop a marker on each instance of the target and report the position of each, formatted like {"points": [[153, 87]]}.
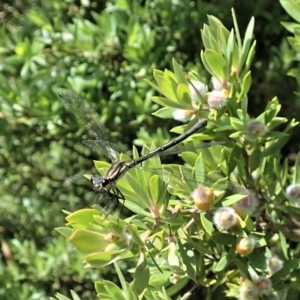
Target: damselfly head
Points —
{"points": [[97, 182]]}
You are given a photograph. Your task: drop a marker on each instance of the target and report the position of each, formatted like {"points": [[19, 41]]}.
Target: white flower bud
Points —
{"points": [[247, 205], [255, 129], [225, 218], [217, 99], [183, 115], [293, 194], [195, 86]]}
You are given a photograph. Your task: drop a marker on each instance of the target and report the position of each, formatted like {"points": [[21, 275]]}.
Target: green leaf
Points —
{"points": [[177, 184], [141, 192], [156, 278], [293, 293], [209, 41], [184, 96], [174, 260], [222, 264], [276, 146], [199, 167], [215, 23], [104, 258], [288, 267], [154, 86], [254, 160], [275, 134], [258, 261], [64, 231], [60, 297], [247, 41], [246, 85], [221, 238], [168, 88], [242, 265], [165, 113], [242, 115], [291, 26], [296, 177], [250, 56], [174, 288], [109, 290], [157, 73], [188, 258], [232, 199], [141, 275], [135, 235], [216, 63], [86, 241], [180, 77], [234, 158], [158, 190], [292, 8], [136, 208], [283, 245], [276, 121], [169, 103], [230, 50], [128, 291], [249, 224], [236, 124], [244, 105], [206, 222], [83, 216]]}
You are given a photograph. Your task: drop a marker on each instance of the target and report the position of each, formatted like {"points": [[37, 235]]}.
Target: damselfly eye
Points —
{"points": [[104, 182]]}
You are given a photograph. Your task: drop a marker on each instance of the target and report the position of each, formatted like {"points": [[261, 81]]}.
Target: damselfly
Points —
{"points": [[106, 184]]}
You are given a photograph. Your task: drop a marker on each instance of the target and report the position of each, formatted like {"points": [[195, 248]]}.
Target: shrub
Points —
{"points": [[224, 249], [103, 51]]}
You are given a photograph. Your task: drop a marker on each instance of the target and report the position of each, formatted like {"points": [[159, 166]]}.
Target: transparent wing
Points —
{"points": [[218, 181], [189, 147], [88, 116], [177, 176], [103, 147]]}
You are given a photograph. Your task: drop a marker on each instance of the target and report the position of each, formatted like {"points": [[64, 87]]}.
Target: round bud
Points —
{"points": [[264, 285], [274, 264], [247, 205], [245, 246], [225, 218], [217, 99], [184, 115], [203, 197], [255, 129], [248, 290], [219, 84], [197, 86], [293, 194]]}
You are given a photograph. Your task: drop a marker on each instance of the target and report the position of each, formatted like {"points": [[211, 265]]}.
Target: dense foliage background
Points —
{"points": [[102, 50]]}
